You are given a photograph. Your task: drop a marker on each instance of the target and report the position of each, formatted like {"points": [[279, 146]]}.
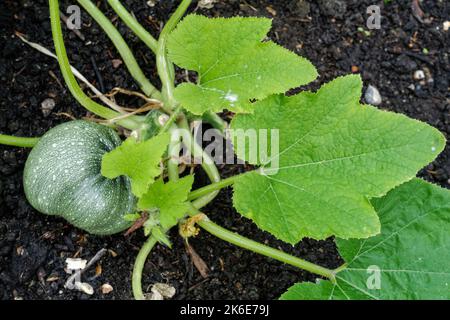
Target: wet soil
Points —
{"points": [[332, 34]]}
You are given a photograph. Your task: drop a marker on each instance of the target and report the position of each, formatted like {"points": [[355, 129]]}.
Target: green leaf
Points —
{"points": [[333, 155], [410, 257], [233, 65], [161, 236], [137, 160], [170, 198]]}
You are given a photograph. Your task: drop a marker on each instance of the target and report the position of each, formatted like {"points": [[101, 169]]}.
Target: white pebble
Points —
{"points": [[419, 75], [372, 96]]}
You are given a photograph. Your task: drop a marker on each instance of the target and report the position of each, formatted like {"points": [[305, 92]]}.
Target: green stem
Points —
{"points": [[165, 67], [122, 48], [216, 121], [212, 187], [134, 25], [131, 123], [207, 164], [18, 141], [197, 152], [174, 154], [173, 117], [136, 281], [262, 249]]}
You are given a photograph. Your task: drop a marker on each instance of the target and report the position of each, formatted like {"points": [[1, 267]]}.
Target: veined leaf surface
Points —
{"points": [[232, 63], [333, 154], [410, 259]]}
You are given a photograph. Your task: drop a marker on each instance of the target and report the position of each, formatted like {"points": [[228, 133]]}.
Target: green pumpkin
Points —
{"points": [[62, 177]]}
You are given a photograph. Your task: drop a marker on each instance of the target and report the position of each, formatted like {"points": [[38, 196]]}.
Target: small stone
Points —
{"points": [[47, 106], [161, 291], [412, 87], [419, 75], [446, 25], [106, 288], [151, 3], [206, 4], [116, 63], [372, 96]]}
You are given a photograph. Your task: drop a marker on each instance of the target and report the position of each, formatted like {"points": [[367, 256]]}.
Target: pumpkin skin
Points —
{"points": [[62, 178]]}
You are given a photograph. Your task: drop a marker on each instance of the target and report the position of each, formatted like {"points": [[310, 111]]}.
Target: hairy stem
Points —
{"points": [[262, 249], [165, 67], [122, 47], [212, 187], [131, 123], [134, 25], [216, 121], [18, 141], [198, 153], [136, 282], [174, 154], [173, 117]]}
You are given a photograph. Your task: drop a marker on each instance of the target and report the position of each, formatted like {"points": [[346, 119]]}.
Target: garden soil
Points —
{"points": [[332, 34]]}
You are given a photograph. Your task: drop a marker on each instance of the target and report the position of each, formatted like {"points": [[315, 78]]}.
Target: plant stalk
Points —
{"points": [[165, 67], [134, 25], [216, 186], [18, 141], [136, 281], [122, 48], [208, 164], [214, 120], [131, 123], [260, 248], [174, 154]]}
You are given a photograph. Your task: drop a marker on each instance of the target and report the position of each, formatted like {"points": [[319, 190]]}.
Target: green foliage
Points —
{"points": [[333, 154], [330, 174], [233, 64], [169, 199], [137, 160], [408, 260]]}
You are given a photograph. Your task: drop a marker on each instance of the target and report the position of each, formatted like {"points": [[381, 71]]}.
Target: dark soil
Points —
{"points": [[33, 247]]}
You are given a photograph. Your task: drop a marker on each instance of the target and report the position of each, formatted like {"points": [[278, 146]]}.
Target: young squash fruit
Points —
{"points": [[62, 177]]}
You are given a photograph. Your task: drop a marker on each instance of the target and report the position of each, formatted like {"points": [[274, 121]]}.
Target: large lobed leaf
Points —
{"points": [[137, 160], [333, 155], [233, 64], [411, 256]]}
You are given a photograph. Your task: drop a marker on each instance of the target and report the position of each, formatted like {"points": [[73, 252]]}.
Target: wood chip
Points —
{"points": [[271, 10], [199, 263], [52, 278], [112, 253], [98, 270]]}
